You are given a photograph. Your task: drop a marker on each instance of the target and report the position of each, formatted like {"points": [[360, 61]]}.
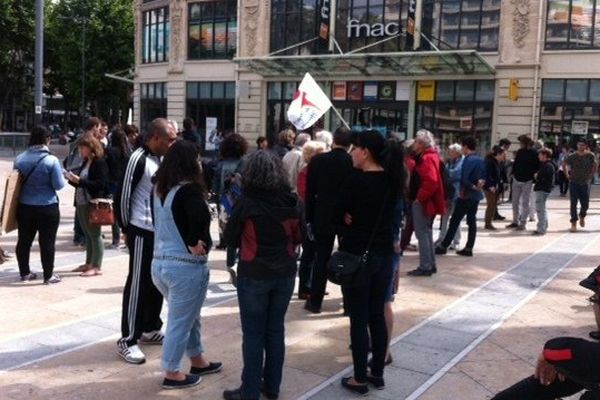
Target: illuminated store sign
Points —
{"points": [[357, 29]]}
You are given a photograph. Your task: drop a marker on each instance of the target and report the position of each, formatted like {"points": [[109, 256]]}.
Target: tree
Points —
{"points": [[109, 47], [17, 21]]}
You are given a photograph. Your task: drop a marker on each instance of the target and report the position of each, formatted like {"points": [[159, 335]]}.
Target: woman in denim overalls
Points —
{"points": [[179, 268]]}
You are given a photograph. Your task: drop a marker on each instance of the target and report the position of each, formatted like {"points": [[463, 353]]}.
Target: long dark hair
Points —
{"points": [[118, 139], [389, 154], [181, 164]]}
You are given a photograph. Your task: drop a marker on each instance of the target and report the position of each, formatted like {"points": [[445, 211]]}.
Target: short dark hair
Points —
{"points": [[469, 142], [342, 137], [131, 129], [39, 135], [260, 139], [546, 151], [91, 123], [188, 124], [504, 142]]}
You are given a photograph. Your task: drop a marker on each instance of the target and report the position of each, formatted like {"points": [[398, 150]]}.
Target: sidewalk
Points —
{"points": [[466, 333]]}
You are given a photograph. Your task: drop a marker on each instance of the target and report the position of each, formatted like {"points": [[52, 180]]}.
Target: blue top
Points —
{"points": [[40, 189], [454, 171], [473, 169]]}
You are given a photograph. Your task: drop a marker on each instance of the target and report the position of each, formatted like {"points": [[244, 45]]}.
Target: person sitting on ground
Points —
{"points": [[179, 267], [544, 183], [566, 366], [38, 207], [266, 225], [91, 183]]}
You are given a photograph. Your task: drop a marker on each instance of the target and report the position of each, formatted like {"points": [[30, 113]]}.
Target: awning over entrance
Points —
{"points": [[360, 65]]}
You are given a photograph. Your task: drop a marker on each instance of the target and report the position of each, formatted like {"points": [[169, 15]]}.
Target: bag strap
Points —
{"points": [[34, 168], [376, 226]]}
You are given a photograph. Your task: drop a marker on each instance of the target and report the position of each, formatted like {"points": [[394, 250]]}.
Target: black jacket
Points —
{"points": [[493, 173], [544, 181], [266, 228], [96, 183], [526, 165], [327, 173]]}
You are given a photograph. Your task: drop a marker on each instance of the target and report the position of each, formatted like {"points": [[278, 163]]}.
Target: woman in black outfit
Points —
{"points": [[116, 157], [493, 182], [366, 210]]}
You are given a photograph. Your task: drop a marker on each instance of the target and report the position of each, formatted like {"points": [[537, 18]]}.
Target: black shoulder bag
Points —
{"points": [[347, 269]]}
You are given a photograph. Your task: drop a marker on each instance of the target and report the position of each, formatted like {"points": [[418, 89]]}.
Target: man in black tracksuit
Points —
{"points": [[142, 302], [326, 174], [566, 366]]}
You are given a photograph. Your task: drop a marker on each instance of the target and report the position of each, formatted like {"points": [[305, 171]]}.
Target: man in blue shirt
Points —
{"points": [[470, 194]]}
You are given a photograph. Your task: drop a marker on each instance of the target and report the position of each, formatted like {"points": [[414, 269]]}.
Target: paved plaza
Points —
{"points": [[471, 330]]}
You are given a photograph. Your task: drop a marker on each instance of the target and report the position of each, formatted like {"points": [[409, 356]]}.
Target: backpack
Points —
{"points": [[449, 189], [232, 191]]}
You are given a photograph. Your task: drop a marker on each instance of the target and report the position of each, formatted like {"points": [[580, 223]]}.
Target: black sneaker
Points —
{"points": [[441, 250], [512, 225], [499, 217], [189, 381], [212, 368], [311, 308], [376, 381], [234, 395], [361, 389], [465, 252], [269, 395], [419, 272], [29, 277]]}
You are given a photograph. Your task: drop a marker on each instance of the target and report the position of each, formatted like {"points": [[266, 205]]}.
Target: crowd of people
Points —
{"points": [[281, 210]]}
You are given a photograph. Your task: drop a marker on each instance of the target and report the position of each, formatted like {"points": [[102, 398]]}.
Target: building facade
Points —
{"points": [[490, 68]]}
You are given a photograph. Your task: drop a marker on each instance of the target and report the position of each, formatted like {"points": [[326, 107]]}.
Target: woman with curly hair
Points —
{"points": [[267, 226]]}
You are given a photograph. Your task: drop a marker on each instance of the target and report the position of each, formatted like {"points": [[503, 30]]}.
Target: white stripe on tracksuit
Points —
{"points": [[127, 180], [135, 286]]}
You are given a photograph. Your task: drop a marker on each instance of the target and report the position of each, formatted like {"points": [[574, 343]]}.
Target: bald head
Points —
{"points": [[161, 136], [158, 127]]}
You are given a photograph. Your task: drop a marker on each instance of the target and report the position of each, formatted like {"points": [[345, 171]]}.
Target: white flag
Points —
{"points": [[309, 104]]}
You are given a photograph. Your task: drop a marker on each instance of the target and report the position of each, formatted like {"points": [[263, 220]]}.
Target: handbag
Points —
{"points": [[347, 269], [101, 212]]}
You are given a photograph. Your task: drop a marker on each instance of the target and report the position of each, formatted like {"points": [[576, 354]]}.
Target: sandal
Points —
{"points": [[91, 272], [82, 268]]}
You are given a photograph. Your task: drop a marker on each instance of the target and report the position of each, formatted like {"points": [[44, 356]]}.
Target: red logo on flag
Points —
{"points": [[304, 101]]}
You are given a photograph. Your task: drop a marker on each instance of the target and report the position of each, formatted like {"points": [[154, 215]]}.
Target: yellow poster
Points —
{"points": [[426, 91]]}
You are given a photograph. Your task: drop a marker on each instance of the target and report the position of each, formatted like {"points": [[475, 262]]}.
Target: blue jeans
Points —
{"points": [[463, 207], [263, 304], [184, 287], [540, 209], [579, 192]]}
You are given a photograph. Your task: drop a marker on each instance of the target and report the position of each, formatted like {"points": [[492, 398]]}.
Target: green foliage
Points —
{"points": [[109, 47], [17, 21]]}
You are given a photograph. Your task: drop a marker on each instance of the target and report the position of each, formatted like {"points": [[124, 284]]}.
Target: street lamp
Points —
{"points": [[83, 21]]}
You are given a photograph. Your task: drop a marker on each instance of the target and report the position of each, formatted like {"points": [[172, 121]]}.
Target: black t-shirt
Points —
{"points": [[364, 195], [191, 215]]}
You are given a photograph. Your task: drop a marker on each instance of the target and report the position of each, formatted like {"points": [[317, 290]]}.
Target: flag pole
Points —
{"points": [[335, 110]]}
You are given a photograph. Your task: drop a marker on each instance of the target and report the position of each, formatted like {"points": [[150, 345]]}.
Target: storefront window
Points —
{"points": [[212, 30], [292, 22], [155, 35], [570, 107], [462, 24], [206, 101], [459, 108], [572, 24], [153, 102]]}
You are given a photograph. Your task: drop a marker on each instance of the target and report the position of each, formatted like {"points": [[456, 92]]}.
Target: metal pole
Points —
{"points": [[418, 23], [332, 21], [82, 115], [39, 60]]}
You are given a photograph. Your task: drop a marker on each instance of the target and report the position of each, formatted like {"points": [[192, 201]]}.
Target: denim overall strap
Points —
{"points": [[168, 243]]}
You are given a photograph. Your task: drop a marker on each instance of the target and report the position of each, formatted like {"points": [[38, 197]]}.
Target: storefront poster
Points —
{"points": [[402, 91], [387, 90], [355, 91], [339, 91], [580, 127], [370, 92], [426, 91], [212, 134]]}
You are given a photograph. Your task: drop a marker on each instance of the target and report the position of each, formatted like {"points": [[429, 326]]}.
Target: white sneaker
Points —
{"points": [[154, 337], [131, 354]]}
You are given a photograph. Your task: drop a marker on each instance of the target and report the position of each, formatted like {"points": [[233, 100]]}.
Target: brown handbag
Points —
{"points": [[101, 212]]}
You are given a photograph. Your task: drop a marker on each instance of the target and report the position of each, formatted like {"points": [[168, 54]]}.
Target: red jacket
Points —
{"points": [[431, 188], [301, 183]]}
